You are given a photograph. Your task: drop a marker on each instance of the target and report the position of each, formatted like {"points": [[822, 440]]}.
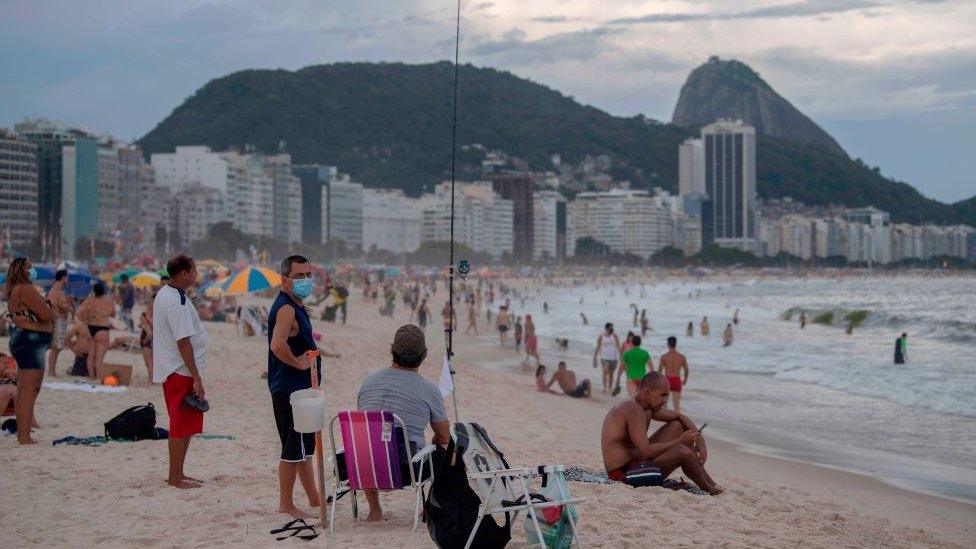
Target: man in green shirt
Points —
{"points": [[637, 362]]}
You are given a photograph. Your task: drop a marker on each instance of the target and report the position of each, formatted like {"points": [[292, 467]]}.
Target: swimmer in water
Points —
{"points": [[727, 336]]}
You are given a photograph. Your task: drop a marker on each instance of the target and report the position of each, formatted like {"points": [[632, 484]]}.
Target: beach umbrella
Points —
{"points": [[145, 279], [210, 264], [212, 288], [128, 271], [45, 275], [250, 279]]}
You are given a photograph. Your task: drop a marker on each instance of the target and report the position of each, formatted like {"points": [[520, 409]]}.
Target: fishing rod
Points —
{"points": [[449, 330]]}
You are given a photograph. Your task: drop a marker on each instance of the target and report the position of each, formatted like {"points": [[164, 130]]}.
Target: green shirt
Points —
{"points": [[636, 360]]}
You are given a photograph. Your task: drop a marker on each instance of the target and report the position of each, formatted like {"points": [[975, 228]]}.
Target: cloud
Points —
{"points": [[555, 19], [803, 8], [513, 47]]}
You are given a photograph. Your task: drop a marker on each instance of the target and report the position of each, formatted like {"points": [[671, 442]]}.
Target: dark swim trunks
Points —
{"points": [[580, 390]]}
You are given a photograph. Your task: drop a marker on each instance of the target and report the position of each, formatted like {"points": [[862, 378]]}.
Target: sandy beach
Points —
{"points": [[115, 495]]}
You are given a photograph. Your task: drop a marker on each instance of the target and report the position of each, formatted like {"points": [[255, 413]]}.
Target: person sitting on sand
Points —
{"points": [[567, 382], [678, 443], [402, 390], [79, 340], [8, 385], [540, 380]]}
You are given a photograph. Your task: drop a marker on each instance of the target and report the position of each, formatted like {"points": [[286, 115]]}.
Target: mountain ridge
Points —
{"points": [[389, 125]]}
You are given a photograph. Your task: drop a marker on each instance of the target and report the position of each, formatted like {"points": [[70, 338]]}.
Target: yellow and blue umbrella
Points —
{"points": [[250, 279]]}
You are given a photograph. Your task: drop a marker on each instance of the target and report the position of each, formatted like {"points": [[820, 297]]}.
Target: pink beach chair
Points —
{"points": [[372, 450]]}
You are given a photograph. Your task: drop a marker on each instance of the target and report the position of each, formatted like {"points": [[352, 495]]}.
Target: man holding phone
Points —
{"points": [[678, 443]]}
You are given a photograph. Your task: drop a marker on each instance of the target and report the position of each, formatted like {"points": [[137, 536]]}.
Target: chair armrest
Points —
{"points": [[422, 454]]}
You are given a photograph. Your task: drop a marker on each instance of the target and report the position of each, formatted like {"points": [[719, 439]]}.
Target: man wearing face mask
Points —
{"points": [[289, 370]]}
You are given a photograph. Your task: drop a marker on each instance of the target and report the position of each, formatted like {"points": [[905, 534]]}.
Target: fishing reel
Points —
{"points": [[464, 269]]}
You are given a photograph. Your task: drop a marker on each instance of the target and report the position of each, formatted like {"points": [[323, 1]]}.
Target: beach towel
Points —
{"points": [[582, 474], [72, 440], [83, 386]]}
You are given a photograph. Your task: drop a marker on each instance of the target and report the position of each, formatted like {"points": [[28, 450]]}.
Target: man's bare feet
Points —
{"points": [[374, 516], [191, 479], [295, 512], [716, 490], [183, 484], [28, 440]]}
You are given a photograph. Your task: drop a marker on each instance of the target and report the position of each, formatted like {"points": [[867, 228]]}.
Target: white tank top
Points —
{"points": [[608, 347]]}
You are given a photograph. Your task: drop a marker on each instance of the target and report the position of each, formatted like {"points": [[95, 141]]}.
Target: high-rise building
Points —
{"points": [[314, 180], [550, 230], [194, 210], [18, 191], [700, 206], [286, 200], [796, 235], [518, 188], [191, 165], [79, 195], [343, 204], [691, 167], [483, 220], [391, 221], [628, 221], [880, 231], [50, 137], [730, 182]]}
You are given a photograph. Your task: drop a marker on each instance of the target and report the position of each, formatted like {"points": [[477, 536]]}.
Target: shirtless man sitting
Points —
{"points": [[678, 443], [673, 364], [567, 382], [79, 341]]}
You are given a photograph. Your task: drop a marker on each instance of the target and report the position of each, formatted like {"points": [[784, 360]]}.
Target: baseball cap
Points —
{"points": [[409, 339]]}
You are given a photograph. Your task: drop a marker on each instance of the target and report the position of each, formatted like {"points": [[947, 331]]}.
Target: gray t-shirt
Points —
{"points": [[408, 395]]}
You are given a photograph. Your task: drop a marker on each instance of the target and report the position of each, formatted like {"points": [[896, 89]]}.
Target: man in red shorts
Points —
{"points": [[677, 443], [179, 351], [673, 364]]}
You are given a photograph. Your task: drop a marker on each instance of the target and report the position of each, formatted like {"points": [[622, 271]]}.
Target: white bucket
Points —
{"points": [[308, 410]]}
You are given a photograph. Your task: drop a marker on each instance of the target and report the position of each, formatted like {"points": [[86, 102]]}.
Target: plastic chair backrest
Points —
{"points": [[481, 455], [372, 452]]}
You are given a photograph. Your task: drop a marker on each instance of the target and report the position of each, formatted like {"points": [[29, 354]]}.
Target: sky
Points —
{"points": [[894, 81]]}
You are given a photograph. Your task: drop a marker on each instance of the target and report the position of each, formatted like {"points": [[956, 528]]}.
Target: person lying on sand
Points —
{"points": [[567, 382], [678, 443]]}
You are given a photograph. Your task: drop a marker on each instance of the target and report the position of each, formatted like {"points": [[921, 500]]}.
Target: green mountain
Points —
{"points": [[389, 125]]}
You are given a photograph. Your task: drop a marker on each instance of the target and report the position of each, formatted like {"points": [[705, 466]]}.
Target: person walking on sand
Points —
{"points": [[179, 353], [472, 319], [289, 370], [60, 303], [636, 362], [518, 334], [690, 330], [608, 350], [32, 322], [531, 341], [727, 336], [674, 366], [704, 329], [501, 322]]}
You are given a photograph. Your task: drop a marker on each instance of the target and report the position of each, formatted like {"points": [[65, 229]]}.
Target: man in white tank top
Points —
{"points": [[608, 351]]}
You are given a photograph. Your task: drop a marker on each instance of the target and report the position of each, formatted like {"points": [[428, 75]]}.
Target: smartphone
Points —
{"points": [[702, 428]]}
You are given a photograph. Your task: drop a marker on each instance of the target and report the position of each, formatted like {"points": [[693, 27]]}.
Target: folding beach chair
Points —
{"points": [[372, 450], [504, 489]]}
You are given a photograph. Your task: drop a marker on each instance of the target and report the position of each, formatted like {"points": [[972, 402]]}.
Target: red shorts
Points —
{"points": [[531, 343], [675, 383], [184, 420]]}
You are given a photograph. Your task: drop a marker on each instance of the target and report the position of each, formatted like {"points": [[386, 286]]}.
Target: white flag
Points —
{"points": [[446, 383]]}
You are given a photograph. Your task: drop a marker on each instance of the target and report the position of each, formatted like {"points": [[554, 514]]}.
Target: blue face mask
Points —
{"points": [[32, 272], [302, 287]]}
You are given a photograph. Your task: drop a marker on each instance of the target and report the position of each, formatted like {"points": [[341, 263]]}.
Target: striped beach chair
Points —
{"points": [[372, 443]]}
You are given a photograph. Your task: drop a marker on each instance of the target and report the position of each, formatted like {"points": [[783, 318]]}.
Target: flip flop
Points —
{"points": [[295, 527]]}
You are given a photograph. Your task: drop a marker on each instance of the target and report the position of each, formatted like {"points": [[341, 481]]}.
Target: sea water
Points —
{"points": [[815, 393]]}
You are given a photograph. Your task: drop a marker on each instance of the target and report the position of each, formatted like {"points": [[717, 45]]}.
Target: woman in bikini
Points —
{"points": [[30, 337], [97, 312], [146, 336]]}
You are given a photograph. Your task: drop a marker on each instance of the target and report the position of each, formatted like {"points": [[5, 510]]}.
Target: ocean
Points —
{"points": [[816, 394]]}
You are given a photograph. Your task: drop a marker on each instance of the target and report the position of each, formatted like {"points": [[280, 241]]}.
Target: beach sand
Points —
{"points": [[115, 495]]}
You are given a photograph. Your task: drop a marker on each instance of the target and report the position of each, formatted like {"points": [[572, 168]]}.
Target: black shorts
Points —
{"points": [[295, 446], [502, 328], [580, 390]]}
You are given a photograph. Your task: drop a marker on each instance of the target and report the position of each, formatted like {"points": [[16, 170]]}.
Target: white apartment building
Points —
{"points": [[194, 209], [769, 237], [880, 231], [286, 198], [796, 232], [551, 225], [18, 190], [342, 207], [691, 167], [391, 221], [194, 165], [628, 221], [483, 220]]}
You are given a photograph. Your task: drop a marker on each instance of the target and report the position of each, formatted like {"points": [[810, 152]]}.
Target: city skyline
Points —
{"points": [[894, 81]]}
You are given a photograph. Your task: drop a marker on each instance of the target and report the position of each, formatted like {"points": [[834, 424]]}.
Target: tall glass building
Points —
{"points": [[730, 182]]}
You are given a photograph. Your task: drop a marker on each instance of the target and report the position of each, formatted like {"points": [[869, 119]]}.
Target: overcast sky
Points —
{"points": [[894, 81]]}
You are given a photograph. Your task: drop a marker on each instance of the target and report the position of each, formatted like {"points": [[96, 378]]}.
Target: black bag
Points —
{"points": [[136, 423], [451, 507]]}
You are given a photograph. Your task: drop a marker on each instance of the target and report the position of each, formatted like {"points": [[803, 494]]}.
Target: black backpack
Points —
{"points": [[451, 507], [136, 423]]}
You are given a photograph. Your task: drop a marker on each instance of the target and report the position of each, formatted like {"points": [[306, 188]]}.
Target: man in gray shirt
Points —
{"points": [[402, 390]]}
